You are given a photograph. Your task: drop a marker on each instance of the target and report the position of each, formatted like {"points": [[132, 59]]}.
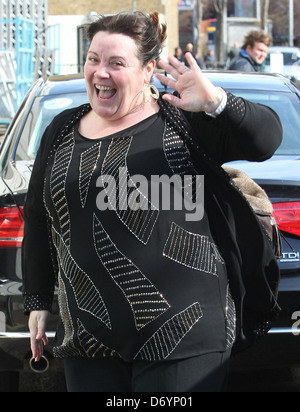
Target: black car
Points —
{"points": [[279, 176]]}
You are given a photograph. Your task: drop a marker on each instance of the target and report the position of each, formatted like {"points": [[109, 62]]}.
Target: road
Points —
{"points": [[272, 365], [285, 379], [273, 379]]}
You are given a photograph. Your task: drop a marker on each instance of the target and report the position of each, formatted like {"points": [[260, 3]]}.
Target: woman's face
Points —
{"points": [[115, 76]]}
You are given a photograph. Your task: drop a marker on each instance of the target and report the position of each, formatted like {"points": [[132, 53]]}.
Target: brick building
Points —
{"points": [[72, 15]]}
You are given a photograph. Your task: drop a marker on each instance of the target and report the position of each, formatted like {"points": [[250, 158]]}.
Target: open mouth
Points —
{"points": [[105, 92]]}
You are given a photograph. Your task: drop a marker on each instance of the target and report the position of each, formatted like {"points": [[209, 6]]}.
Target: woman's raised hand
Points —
{"points": [[197, 93]]}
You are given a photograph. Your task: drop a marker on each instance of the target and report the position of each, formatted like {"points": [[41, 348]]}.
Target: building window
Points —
{"points": [[243, 8], [83, 46]]}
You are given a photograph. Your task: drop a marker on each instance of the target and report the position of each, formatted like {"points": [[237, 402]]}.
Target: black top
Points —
{"points": [[137, 283]]}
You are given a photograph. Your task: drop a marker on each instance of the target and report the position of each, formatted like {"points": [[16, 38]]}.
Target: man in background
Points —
{"points": [[253, 53], [178, 54], [189, 48]]}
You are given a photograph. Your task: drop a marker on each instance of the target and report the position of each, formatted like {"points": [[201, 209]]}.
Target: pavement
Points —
{"points": [[282, 379]]}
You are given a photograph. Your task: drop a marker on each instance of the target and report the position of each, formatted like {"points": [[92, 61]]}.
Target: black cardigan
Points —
{"points": [[244, 131]]}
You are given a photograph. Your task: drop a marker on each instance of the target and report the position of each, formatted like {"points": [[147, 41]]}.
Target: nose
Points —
{"points": [[101, 71]]}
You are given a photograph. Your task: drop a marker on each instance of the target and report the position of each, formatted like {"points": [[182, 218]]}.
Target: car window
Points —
{"points": [[289, 59], [287, 106], [43, 110]]}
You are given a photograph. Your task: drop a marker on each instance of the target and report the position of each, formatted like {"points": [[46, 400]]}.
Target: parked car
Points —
{"points": [[280, 176], [289, 66]]}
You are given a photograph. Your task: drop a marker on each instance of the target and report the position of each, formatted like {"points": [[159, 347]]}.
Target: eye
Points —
{"points": [[92, 58], [117, 63]]}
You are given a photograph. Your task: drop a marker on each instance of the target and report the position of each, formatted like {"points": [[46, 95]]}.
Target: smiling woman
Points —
{"points": [[144, 294], [118, 70], [115, 80]]}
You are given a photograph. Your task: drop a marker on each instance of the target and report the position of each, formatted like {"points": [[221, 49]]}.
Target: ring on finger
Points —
{"points": [[183, 70]]}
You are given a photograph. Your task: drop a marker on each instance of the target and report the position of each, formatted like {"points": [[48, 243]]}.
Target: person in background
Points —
{"points": [[143, 291], [189, 49], [233, 53], [178, 54], [253, 52], [210, 61]]}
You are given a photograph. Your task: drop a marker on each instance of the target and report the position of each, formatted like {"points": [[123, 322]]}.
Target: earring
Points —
{"points": [[154, 93], [149, 90]]}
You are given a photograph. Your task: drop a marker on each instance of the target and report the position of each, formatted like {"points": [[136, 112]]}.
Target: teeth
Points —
{"points": [[103, 88]]}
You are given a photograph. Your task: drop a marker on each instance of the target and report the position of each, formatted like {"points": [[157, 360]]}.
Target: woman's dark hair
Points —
{"points": [[146, 30]]}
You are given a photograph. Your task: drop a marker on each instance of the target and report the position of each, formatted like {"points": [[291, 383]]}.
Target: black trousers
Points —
{"points": [[206, 373]]}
